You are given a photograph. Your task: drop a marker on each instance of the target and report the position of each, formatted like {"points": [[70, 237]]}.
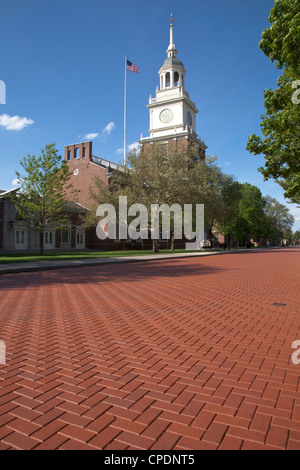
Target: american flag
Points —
{"points": [[132, 67]]}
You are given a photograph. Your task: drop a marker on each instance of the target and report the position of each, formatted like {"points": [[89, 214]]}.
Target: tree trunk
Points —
{"points": [[228, 241], [172, 242], [41, 242], [155, 246]]}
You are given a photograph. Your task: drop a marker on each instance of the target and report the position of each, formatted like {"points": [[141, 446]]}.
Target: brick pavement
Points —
{"points": [[181, 354]]}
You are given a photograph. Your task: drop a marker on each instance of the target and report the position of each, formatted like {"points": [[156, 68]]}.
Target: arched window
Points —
{"points": [[168, 79], [176, 78]]}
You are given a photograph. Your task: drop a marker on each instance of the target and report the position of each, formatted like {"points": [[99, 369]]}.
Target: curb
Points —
{"points": [[26, 267]]}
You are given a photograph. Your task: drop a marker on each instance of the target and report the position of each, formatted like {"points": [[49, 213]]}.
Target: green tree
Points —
{"points": [[296, 237], [243, 213], [44, 190], [278, 219], [241, 229], [207, 181], [227, 221], [156, 175], [251, 208], [280, 125]]}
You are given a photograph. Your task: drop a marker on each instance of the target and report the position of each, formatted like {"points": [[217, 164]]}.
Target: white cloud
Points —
{"points": [[15, 182], [108, 128], [226, 163], [91, 136], [134, 146], [14, 123], [120, 150]]}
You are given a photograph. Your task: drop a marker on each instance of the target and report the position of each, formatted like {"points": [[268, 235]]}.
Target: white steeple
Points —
{"points": [[172, 113], [172, 51], [172, 71]]}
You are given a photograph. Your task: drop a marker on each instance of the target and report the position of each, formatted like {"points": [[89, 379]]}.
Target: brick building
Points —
{"points": [[84, 167], [172, 116]]}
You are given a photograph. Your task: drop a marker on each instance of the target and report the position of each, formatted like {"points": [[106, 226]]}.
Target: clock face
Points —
{"points": [[75, 172], [189, 118], [166, 115]]}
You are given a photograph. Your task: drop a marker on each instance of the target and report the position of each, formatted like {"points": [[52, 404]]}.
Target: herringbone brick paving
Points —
{"points": [[181, 354]]}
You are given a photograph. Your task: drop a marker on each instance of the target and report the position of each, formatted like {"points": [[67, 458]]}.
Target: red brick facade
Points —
{"points": [[84, 167], [181, 142]]}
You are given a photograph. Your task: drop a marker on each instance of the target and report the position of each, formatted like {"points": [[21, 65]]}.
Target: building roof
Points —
{"points": [[4, 193], [72, 206], [172, 61], [106, 163], [75, 206]]}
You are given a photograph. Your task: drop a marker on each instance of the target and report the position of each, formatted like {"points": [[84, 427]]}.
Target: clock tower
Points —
{"points": [[172, 112]]}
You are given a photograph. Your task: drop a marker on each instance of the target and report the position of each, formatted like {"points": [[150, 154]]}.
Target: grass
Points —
{"points": [[30, 257]]}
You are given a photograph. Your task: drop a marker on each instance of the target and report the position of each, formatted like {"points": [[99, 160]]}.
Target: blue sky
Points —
{"points": [[63, 66]]}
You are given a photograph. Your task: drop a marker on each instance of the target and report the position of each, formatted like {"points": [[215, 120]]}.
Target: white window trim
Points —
{"points": [[68, 228]]}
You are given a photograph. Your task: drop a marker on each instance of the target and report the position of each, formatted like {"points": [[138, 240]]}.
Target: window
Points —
{"points": [[48, 238], [65, 236], [168, 83], [69, 155], [84, 152], [79, 238], [77, 152], [176, 78], [20, 236], [165, 149]]}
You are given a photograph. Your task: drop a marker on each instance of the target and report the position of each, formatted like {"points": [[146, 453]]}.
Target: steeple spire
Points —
{"points": [[171, 51], [171, 19], [172, 113]]}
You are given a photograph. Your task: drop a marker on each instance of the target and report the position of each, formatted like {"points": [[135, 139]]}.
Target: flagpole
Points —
{"points": [[125, 113]]}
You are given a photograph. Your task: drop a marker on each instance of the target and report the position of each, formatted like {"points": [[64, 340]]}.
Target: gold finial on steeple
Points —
{"points": [[172, 19]]}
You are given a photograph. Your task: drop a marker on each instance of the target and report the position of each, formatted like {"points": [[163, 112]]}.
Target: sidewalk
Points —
{"points": [[47, 265]]}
